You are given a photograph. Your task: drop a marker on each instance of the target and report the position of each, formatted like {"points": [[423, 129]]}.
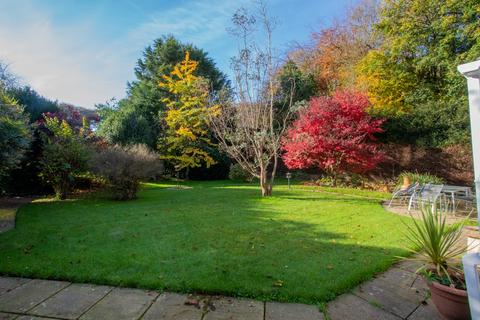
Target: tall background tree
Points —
{"points": [[403, 54], [187, 116], [331, 56], [34, 103], [22, 108], [140, 117], [412, 76], [15, 136]]}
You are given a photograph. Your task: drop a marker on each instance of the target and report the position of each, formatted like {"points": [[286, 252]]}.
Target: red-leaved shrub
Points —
{"points": [[335, 134]]}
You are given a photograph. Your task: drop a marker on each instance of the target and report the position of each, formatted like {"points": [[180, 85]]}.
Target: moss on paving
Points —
{"points": [[217, 237]]}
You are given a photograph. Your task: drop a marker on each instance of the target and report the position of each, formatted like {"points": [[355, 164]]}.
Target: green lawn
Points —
{"points": [[217, 237]]}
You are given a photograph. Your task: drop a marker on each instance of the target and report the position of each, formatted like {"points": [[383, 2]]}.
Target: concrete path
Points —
{"points": [[8, 209], [396, 294]]}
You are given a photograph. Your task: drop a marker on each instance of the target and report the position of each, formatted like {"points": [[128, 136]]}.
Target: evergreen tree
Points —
{"points": [[145, 98]]}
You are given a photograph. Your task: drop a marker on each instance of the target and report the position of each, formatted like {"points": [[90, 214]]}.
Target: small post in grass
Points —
{"points": [[289, 176]]}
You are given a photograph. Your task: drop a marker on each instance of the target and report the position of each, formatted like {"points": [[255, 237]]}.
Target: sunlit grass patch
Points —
{"points": [[215, 237]]}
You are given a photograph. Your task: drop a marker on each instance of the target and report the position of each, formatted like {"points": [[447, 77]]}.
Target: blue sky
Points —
{"points": [[84, 51]]}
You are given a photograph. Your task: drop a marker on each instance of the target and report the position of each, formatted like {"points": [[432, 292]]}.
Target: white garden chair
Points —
{"points": [[430, 194], [404, 195]]}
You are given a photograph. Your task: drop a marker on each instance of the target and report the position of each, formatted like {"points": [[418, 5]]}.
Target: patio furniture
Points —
{"points": [[428, 194], [402, 194], [457, 193]]}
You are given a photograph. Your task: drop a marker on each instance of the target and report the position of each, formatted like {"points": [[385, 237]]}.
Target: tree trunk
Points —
{"points": [[61, 195], [264, 184], [266, 190], [61, 191]]}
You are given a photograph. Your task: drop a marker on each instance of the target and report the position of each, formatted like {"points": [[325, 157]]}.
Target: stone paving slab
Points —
{"points": [[236, 309], [396, 294], [30, 294], [425, 312], [32, 318], [171, 306], [351, 307], [121, 304], [402, 278], [397, 299], [7, 283], [291, 311], [71, 302], [7, 316], [408, 265]]}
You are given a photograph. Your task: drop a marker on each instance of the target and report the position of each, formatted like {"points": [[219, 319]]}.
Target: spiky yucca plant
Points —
{"points": [[440, 244]]}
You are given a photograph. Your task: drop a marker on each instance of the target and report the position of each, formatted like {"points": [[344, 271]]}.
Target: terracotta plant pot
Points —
{"points": [[450, 302], [406, 182]]}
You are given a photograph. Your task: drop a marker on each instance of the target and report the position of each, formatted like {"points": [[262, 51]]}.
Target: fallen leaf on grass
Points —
{"points": [[278, 283]]}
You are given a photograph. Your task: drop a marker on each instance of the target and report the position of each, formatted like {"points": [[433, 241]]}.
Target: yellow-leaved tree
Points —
{"points": [[386, 84], [187, 116]]}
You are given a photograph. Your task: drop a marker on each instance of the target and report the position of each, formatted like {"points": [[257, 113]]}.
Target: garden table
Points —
{"points": [[451, 191]]}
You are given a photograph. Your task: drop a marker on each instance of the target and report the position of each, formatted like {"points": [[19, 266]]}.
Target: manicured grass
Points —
{"points": [[217, 237]]}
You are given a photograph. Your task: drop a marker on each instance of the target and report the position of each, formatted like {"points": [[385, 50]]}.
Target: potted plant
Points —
{"points": [[441, 247], [406, 183]]}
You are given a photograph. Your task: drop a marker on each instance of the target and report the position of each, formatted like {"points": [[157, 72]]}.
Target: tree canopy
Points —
{"points": [[144, 105], [15, 135], [334, 134], [403, 54], [34, 103], [412, 77], [187, 117]]}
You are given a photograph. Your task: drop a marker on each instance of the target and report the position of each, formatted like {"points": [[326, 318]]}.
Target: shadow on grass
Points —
{"points": [[209, 239], [337, 198]]}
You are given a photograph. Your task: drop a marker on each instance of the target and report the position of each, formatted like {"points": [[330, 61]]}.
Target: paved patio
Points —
{"points": [[396, 294], [402, 211]]}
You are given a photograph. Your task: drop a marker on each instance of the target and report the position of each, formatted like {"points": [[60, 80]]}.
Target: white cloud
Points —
{"points": [[70, 63], [199, 21], [60, 63]]}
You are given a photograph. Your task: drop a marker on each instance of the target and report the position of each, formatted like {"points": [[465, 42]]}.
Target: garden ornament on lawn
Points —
{"points": [[289, 176]]}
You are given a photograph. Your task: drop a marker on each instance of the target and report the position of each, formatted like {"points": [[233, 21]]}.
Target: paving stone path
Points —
{"points": [[8, 208], [395, 294]]}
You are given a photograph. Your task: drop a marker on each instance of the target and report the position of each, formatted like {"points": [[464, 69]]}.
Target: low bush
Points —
{"points": [[300, 175], [238, 173], [351, 180], [89, 181], [124, 167], [64, 156], [421, 178]]}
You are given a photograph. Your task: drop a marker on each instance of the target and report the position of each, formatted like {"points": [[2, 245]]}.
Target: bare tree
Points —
{"points": [[252, 123], [7, 79]]}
